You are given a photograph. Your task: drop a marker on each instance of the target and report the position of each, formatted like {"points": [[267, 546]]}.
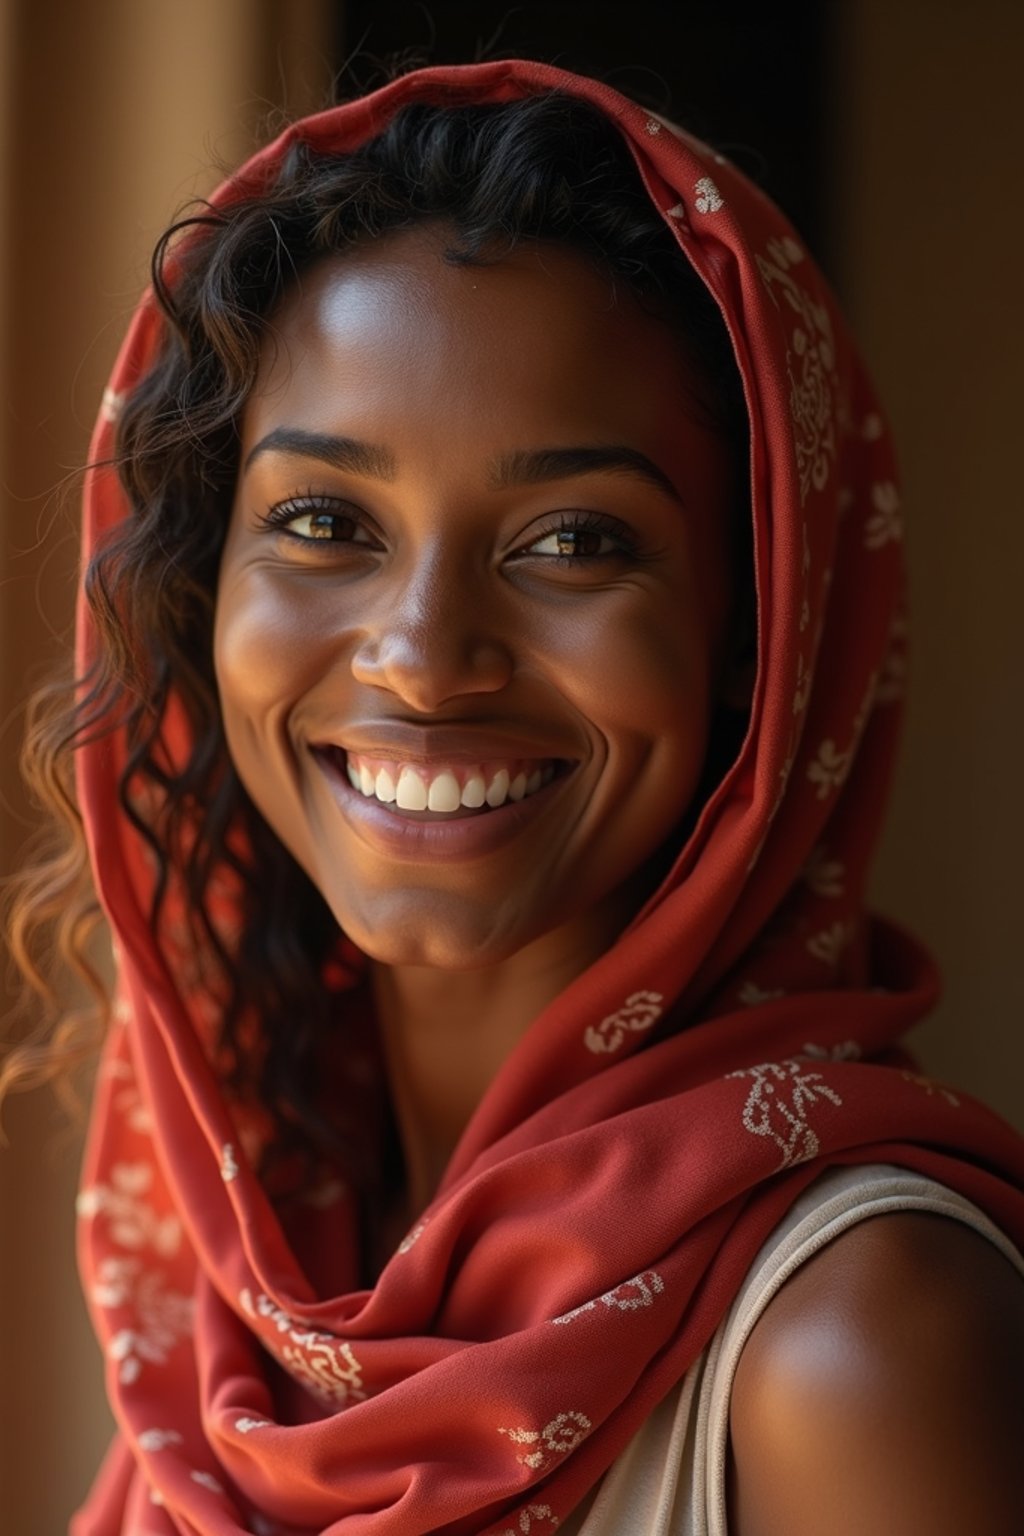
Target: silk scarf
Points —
{"points": [[654, 1123]]}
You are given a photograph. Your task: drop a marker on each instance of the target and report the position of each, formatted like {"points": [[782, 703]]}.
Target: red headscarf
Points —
{"points": [[651, 1127]]}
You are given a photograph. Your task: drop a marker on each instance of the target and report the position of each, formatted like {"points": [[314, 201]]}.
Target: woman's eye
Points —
{"points": [[331, 526], [318, 520], [576, 543], [582, 537]]}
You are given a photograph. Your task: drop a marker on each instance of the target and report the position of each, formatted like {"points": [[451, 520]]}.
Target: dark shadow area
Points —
{"points": [[752, 79]]}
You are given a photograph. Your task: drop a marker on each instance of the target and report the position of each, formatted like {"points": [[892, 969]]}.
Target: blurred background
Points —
{"points": [[890, 130]]}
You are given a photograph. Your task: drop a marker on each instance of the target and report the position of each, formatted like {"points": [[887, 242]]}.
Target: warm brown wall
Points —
{"points": [[931, 227], [113, 111]]}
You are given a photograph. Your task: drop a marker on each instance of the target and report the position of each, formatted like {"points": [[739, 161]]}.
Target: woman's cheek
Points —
{"points": [[638, 666], [264, 641]]}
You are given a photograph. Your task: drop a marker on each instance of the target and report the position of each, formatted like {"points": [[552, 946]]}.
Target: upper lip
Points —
{"points": [[395, 740]]}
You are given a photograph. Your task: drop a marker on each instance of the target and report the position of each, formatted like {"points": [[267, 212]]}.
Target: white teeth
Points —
{"points": [[384, 787], [444, 793], [411, 794], [475, 792], [424, 789], [497, 789]]}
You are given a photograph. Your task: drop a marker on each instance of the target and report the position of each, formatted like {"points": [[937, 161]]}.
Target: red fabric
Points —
{"points": [[652, 1126]]}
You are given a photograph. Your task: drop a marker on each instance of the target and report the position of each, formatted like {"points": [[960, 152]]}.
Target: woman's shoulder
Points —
{"points": [[882, 1388]]}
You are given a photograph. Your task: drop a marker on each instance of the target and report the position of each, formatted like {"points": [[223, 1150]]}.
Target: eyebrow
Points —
{"points": [[523, 466], [535, 465], [351, 453]]}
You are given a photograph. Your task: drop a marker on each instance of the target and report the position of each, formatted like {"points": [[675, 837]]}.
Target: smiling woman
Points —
{"points": [[445, 608], [480, 737]]}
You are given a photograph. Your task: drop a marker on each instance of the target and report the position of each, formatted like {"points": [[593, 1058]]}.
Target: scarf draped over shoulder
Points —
{"points": [[652, 1126]]}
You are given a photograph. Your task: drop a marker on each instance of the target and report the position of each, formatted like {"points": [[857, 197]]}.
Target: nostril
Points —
{"points": [[426, 666]]}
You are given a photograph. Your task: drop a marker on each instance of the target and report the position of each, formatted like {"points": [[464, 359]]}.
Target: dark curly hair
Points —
{"points": [[548, 168]]}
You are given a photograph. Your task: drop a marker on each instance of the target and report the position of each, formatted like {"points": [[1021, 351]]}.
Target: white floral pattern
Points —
{"points": [[751, 995], [115, 1066], [208, 1481], [158, 1315], [639, 1012], [560, 1435], [810, 363], [829, 768], [532, 1515], [708, 199], [325, 1364], [129, 1103], [846, 1050], [158, 1439], [828, 944], [777, 1106], [133, 1221], [632, 1294], [127, 1100], [162, 1316], [885, 526]]}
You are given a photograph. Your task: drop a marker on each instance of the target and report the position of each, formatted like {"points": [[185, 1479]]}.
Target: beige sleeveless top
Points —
{"points": [[670, 1480]]}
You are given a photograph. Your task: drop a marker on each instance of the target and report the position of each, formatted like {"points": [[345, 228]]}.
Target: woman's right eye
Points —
{"points": [[318, 520]]}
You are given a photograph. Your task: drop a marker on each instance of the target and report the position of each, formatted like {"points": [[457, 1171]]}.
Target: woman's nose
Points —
{"points": [[433, 639]]}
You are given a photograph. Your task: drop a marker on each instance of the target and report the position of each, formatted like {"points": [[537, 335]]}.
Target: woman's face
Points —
{"points": [[478, 561]]}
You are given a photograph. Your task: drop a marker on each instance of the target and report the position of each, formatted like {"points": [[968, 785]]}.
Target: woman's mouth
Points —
{"points": [[448, 789], [448, 809]]}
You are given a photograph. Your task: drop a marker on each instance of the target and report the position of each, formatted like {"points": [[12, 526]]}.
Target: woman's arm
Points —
{"points": [[882, 1391]]}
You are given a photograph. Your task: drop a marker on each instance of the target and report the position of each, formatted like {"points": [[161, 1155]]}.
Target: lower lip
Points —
{"points": [[461, 837]]}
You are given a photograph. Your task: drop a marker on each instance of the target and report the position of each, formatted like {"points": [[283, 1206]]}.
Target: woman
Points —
{"points": [[502, 1100]]}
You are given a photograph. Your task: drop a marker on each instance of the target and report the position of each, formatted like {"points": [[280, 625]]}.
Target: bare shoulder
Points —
{"points": [[882, 1390]]}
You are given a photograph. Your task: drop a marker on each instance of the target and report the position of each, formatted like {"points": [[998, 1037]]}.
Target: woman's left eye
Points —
{"points": [[580, 537], [577, 543]]}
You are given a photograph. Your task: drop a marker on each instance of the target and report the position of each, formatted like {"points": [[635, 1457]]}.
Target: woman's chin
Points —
{"points": [[431, 934]]}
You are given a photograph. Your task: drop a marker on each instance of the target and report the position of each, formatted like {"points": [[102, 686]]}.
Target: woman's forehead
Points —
{"points": [[393, 331]]}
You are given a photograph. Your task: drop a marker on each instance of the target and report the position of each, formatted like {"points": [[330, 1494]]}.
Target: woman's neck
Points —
{"points": [[445, 1034]]}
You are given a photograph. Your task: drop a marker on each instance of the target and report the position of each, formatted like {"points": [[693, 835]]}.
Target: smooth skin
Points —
{"points": [[882, 1391], [424, 435], [437, 610]]}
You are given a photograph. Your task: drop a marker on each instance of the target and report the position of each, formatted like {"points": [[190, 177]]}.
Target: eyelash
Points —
{"points": [[575, 520], [579, 521], [278, 517]]}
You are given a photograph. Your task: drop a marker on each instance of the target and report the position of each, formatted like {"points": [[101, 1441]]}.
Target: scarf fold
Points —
{"points": [[652, 1126]]}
